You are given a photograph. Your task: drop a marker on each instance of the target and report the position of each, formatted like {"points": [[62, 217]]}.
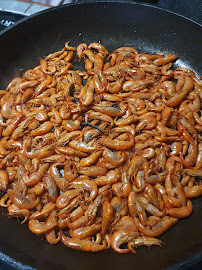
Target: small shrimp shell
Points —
{"points": [[3, 180], [123, 236], [38, 227], [22, 201], [85, 244], [109, 156]]}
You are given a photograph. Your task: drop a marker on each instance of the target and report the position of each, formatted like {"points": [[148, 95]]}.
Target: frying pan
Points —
{"points": [[148, 29]]}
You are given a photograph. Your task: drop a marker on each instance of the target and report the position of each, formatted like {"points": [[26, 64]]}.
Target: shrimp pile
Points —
{"points": [[105, 157]]}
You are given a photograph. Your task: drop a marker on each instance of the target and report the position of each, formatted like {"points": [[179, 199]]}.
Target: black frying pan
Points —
{"points": [[114, 24]]}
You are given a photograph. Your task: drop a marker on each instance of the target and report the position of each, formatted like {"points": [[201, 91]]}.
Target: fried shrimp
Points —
{"points": [[109, 156]]}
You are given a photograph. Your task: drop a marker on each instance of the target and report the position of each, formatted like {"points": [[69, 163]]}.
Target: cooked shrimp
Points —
{"points": [[107, 156]]}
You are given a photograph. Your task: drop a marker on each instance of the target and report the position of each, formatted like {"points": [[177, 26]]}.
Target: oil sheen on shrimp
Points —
{"points": [[107, 156]]}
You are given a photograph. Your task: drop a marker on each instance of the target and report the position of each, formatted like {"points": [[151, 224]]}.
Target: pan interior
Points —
{"points": [[146, 28]]}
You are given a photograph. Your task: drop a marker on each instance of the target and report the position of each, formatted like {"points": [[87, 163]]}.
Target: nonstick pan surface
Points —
{"points": [[146, 28]]}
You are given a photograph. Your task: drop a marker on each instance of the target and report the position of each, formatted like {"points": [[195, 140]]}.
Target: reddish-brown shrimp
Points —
{"points": [[123, 236], [12, 126], [117, 144], [162, 226], [101, 49], [107, 216], [93, 158], [88, 66], [196, 103], [181, 212], [66, 197], [110, 178], [127, 186], [6, 108], [64, 112], [177, 99], [132, 198], [46, 151], [125, 121], [14, 211], [86, 185], [99, 116], [37, 189], [194, 191], [126, 49], [46, 210], [150, 207], [186, 112], [51, 187], [70, 151], [3, 180], [136, 164], [52, 238], [55, 174], [125, 222], [199, 157], [76, 214], [35, 177], [70, 170], [71, 125], [5, 201], [41, 87], [99, 62], [146, 124], [22, 201], [87, 93], [100, 81], [38, 227], [65, 137], [111, 110], [115, 158], [111, 154], [165, 60], [85, 244], [192, 155], [20, 130], [92, 133], [3, 150], [165, 70], [84, 232], [90, 55], [83, 147], [114, 88], [144, 241]]}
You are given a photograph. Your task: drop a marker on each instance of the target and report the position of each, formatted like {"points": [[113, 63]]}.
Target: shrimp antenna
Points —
{"points": [[91, 125]]}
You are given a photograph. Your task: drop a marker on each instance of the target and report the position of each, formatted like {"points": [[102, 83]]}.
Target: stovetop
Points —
{"points": [[8, 19]]}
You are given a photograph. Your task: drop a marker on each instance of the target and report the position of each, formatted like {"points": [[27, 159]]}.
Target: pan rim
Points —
{"points": [[103, 2]]}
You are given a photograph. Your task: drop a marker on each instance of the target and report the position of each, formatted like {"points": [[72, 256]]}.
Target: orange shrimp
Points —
{"points": [[35, 177], [38, 227], [123, 236], [22, 201], [85, 244], [117, 144], [111, 177], [159, 228], [84, 232], [101, 49], [111, 154], [93, 158]]}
